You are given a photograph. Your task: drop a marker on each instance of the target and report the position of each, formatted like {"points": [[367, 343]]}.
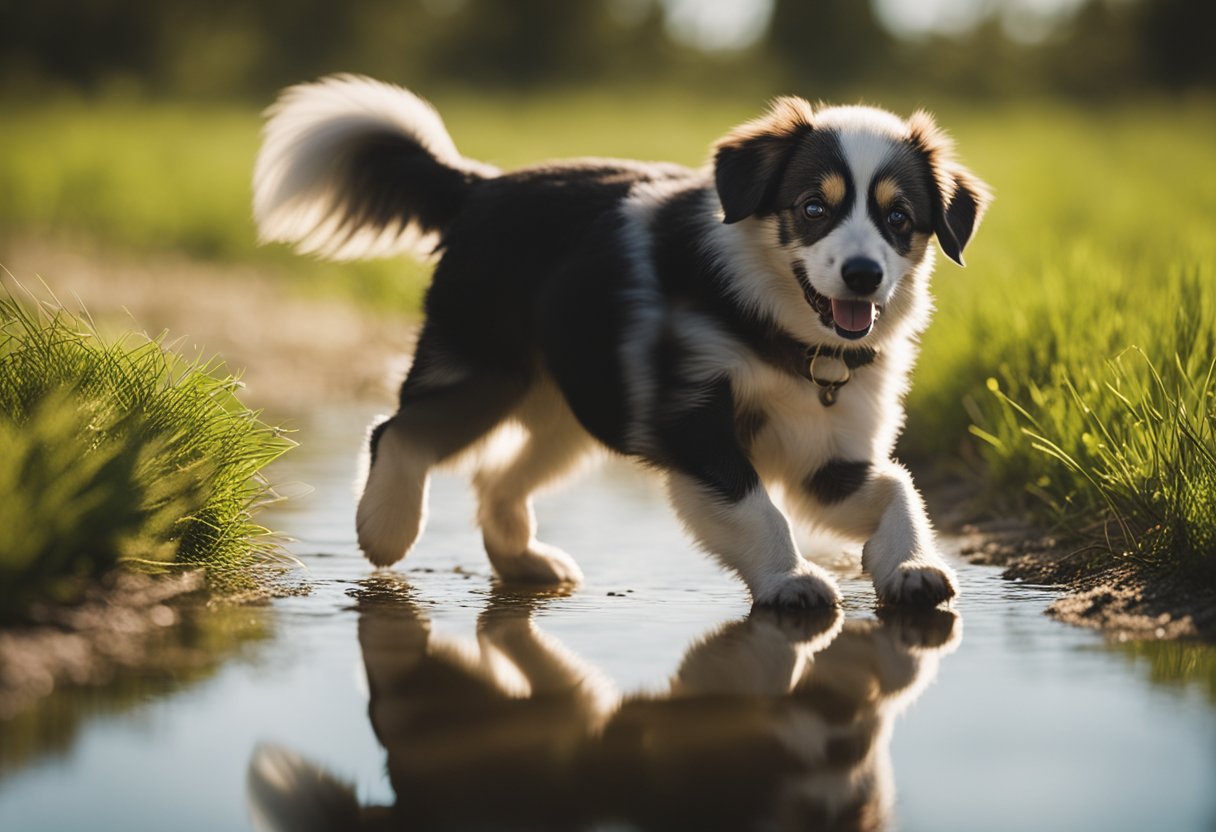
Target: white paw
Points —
{"points": [[539, 564], [386, 530], [803, 589], [392, 509], [917, 584]]}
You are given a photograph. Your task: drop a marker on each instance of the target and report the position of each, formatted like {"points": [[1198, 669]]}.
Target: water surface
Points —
{"points": [[650, 698]]}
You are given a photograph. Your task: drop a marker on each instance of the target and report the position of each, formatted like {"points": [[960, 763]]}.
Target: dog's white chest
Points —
{"points": [[794, 432]]}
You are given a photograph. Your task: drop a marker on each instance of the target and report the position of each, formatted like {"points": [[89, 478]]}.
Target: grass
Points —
{"points": [[129, 178], [1069, 365], [133, 177], [119, 452], [1083, 357], [1125, 454]]}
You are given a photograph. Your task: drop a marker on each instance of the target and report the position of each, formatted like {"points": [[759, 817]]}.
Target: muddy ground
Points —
{"points": [[1125, 600]]}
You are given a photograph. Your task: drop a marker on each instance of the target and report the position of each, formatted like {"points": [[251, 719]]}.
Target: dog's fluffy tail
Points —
{"points": [[353, 168]]}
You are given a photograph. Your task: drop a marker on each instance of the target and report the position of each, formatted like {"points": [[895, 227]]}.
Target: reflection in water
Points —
{"points": [[774, 722], [138, 668], [1177, 663]]}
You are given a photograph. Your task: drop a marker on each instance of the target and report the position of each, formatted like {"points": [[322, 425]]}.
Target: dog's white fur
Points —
{"points": [[295, 196]]}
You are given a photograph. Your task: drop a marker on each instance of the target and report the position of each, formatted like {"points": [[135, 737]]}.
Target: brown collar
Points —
{"points": [[798, 358]]}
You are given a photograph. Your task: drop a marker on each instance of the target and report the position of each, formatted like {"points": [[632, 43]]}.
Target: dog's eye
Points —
{"points": [[898, 220], [814, 209]]}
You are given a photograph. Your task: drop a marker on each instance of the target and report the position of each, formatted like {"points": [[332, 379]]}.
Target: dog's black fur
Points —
{"points": [[648, 306]]}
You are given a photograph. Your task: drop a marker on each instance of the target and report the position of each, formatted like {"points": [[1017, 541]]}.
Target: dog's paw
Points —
{"points": [[539, 564], [386, 532], [917, 585], [805, 589], [392, 508]]}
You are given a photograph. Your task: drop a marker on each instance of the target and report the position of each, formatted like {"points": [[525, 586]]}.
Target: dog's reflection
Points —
{"points": [[772, 722]]}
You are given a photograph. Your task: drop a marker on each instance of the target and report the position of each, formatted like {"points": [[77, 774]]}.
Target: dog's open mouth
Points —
{"points": [[851, 319]]}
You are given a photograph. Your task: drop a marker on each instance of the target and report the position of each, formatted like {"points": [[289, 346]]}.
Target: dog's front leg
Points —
{"points": [[880, 505], [748, 534]]}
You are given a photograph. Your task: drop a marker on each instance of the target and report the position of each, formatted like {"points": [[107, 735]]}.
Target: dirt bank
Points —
{"points": [[293, 352], [1124, 600]]}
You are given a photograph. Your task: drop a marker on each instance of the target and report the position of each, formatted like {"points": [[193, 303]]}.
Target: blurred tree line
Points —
{"points": [[249, 48]]}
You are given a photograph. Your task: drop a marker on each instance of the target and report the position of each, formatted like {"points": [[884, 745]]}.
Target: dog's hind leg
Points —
{"points": [[442, 413], [554, 446]]}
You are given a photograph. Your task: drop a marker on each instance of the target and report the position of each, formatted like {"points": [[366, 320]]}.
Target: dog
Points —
{"points": [[746, 326], [780, 720]]}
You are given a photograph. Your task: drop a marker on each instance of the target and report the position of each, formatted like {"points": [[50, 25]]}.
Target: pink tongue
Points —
{"points": [[853, 315]]}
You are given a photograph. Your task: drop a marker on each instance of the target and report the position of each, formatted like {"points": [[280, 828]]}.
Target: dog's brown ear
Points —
{"points": [[960, 198], [748, 161]]}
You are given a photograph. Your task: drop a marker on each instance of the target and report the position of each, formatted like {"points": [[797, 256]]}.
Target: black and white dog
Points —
{"points": [[746, 325]]}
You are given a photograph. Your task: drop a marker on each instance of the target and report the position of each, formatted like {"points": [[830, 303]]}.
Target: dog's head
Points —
{"points": [[852, 196]]}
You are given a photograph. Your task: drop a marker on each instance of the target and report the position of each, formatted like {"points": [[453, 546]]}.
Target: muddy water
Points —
{"points": [[648, 699]]}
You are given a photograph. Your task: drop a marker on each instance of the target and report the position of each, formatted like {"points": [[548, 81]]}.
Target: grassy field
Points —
{"points": [[1070, 365]]}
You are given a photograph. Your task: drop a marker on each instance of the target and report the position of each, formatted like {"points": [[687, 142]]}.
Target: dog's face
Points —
{"points": [[853, 196]]}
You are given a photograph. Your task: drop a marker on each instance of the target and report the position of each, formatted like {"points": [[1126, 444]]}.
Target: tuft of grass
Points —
{"points": [[119, 452], [1126, 456], [1070, 366], [1114, 438], [1100, 218]]}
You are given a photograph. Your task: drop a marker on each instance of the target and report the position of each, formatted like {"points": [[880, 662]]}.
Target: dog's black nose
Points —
{"points": [[861, 274]]}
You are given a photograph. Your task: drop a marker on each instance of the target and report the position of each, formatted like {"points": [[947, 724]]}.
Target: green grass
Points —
{"points": [[1099, 219], [1069, 364], [1125, 453], [1080, 339], [126, 178], [119, 451]]}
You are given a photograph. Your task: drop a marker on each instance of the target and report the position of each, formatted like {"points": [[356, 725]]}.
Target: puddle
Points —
{"points": [[648, 699]]}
